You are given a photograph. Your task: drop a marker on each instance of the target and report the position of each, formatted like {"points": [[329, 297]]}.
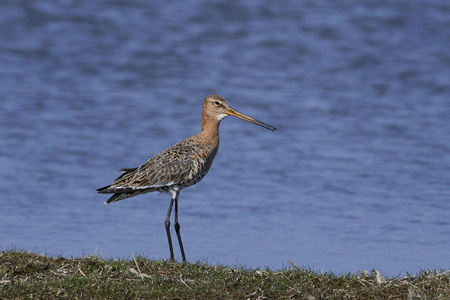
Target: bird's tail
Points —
{"points": [[119, 193]]}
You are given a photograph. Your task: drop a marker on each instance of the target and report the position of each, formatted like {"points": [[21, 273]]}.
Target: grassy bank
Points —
{"points": [[29, 275]]}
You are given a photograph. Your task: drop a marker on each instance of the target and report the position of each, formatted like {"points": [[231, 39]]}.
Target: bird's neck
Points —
{"points": [[210, 128]]}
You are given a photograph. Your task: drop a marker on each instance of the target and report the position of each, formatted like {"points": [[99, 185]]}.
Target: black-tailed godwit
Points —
{"points": [[179, 166]]}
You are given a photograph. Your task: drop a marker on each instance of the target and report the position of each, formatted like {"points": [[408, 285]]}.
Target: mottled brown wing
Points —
{"points": [[171, 166]]}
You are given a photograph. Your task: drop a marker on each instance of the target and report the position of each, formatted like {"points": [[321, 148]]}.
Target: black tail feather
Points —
{"points": [[103, 190]]}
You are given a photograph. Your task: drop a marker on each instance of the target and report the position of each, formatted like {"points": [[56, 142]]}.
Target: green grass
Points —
{"points": [[29, 275]]}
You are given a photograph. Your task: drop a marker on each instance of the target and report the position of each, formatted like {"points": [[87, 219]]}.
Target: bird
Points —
{"points": [[179, 166]]}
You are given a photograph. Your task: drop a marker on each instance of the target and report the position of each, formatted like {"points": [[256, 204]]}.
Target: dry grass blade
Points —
{"points": [[137, 265], [294, 265]]}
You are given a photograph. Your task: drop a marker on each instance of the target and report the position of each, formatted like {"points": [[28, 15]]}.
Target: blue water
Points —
{"points": [[356, 177]]}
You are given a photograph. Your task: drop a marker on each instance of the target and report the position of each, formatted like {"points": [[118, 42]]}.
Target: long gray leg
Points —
{"points": [[167, 223], [177, 227]]}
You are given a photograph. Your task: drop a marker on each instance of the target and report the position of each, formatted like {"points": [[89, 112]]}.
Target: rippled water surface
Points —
{"points": [[356, 177]]}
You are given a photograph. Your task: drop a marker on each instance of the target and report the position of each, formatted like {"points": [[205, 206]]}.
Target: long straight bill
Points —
{"points": [[232, 112]]}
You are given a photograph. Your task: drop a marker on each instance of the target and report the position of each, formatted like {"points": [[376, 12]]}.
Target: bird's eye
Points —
{"points": [[217, 103]]}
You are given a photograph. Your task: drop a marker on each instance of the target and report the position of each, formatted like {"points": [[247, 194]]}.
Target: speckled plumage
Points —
{"points": [[179, 166]]}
